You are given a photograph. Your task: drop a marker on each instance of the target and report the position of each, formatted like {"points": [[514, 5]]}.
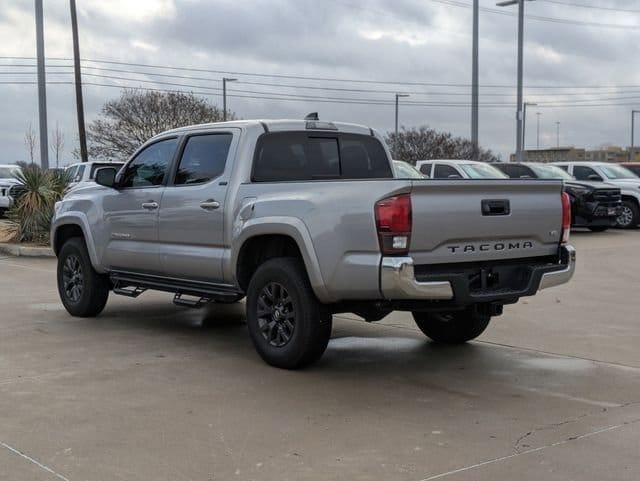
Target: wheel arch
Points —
{"points": [[70, 226], [267, 238]]}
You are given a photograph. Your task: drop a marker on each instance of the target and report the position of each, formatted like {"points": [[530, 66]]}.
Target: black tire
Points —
{"points": [[272, 310], [455, 327], [630, 216], [600, 228], [82, 290]]}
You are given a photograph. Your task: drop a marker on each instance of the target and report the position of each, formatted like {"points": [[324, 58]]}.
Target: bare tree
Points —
{"points": [[57, 144], [30, 142], [425, 143], [136, 116]]}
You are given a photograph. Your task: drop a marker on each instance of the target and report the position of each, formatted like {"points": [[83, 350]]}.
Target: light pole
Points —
{"points": [[224, 96], [558, 135], [524, 122], [82, 136], [398, 96], [474, 80], [519, 113], [633, 127], [42, 87], [538, 130]]}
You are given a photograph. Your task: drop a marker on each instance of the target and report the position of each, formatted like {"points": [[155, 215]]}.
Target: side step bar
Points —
{"points": [[132, 285]]}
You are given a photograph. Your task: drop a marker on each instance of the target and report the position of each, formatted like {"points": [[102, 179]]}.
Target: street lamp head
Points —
{"points": [[402, 95], [227, 79]]}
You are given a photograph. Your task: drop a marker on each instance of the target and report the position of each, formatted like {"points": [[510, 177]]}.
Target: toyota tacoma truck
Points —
{"points": [[305, 219]]}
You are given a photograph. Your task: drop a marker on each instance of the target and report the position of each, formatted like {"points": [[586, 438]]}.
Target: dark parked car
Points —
{"points": [[595, 205]]}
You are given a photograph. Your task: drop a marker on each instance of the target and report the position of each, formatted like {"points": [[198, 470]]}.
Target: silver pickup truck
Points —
{"points": [[306, 219]]}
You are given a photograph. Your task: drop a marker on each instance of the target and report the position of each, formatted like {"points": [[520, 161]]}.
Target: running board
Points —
{"points": [[133, 285]]}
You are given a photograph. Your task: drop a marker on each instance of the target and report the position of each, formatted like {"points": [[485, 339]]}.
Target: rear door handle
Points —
{"points": [[150, 205], [210, 204]]}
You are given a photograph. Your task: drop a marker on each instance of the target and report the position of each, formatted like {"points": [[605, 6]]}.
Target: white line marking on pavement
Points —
{"points": [[31, 460], [531, 451]]}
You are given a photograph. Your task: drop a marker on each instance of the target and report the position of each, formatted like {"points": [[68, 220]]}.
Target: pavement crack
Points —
{"points": [[567, 440]]}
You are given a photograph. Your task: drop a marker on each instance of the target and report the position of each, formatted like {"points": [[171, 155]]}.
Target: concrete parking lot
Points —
{"points": [[151, 391]]}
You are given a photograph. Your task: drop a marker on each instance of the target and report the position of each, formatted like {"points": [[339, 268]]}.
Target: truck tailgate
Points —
{"points": [[481, 220]]}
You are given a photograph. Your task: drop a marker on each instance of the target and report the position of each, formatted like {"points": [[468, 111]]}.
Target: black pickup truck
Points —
{"points": [[594, 205]]}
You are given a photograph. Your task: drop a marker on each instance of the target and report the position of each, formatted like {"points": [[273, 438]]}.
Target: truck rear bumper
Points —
{"points": [[468, 284]]}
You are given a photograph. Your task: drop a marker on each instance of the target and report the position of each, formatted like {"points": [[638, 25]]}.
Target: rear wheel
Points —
{"points": [[83, 291], [600, 228], [630, 215], [288, 325], [453, 327]]}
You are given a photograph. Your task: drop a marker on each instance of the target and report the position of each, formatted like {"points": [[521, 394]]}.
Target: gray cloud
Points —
{"points": [[408, 40]]}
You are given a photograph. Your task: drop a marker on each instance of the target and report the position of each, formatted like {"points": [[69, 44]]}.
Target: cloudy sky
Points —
{"points": [[582, 63]]}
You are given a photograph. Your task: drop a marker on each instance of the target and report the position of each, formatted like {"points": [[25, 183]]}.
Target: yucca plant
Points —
{"points": [[30, 216]]}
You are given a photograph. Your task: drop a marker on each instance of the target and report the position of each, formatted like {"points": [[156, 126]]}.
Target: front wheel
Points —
{"points": [[630, 215], [82, 290], [455, 327], [288, 325]]}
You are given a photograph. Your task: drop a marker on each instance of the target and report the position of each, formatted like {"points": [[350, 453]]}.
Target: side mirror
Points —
{"points": [[595, 177], [106, 176]]}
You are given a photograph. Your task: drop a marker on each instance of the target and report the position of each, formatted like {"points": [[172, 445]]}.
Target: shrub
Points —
{"points": [[30, 216]]}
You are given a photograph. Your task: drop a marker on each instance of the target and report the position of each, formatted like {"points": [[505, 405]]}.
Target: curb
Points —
{"points": [[18, 250]]}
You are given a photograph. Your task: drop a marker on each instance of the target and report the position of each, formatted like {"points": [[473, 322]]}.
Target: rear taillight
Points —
{"points": [[393, 222], [566, 217]]}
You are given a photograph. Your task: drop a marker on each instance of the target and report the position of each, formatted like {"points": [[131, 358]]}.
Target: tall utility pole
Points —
{"points": [[524, 122], [558, 135], [519, 112], [224, 96], [633, 128], [474, 81], [82, 136], [42, 87], [538, 130]]}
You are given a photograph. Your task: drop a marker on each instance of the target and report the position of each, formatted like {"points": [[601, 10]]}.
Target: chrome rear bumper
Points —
{"points": [[398, 281]]}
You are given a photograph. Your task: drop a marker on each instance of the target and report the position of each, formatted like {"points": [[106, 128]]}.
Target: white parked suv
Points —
{"points": [[83, 172], [627, 181], [458, 169], [8, 185]]}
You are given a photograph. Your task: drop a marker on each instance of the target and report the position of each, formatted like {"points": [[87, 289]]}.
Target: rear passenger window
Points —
{"points": [[363, 158], [443, 171], [204, 158], [291, 156]]}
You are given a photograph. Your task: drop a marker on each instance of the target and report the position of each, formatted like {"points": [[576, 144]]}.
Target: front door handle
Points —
{"points": [[150, 205], [210, 204]]}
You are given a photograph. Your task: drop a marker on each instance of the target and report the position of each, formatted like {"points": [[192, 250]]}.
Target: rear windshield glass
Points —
{"points": [[294, 156]]}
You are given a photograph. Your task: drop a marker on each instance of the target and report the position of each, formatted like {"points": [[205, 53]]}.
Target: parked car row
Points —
{"points": [[602, 195]]}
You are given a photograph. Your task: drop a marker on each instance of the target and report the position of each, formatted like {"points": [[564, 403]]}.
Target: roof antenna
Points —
{"points": [[312, 116]]}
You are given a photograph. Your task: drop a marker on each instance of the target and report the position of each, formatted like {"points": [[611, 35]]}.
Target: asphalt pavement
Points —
{"points": [[151, 391]]}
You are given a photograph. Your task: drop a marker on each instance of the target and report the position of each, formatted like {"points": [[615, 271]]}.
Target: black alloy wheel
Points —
{"points": [[276, 314]]}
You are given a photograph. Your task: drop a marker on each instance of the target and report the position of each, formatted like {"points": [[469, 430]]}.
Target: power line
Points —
{"points": [[327, 79], [594, 7], [564, 21]]}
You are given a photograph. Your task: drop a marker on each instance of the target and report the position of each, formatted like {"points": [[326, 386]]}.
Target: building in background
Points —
{"points": [[555, 154], [613, 154]]}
